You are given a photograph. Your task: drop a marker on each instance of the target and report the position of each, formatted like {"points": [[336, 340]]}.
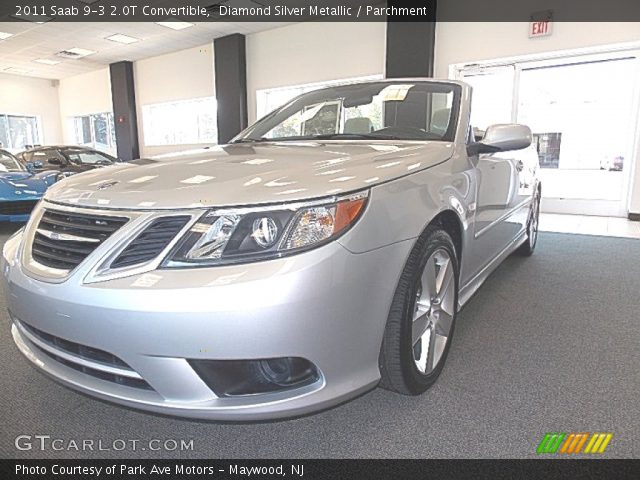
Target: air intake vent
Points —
{"points": [[68, 54], [74, 53], [153, 240], [63, 239]]}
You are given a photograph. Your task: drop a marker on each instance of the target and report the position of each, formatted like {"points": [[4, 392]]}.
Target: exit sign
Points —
{"points": [[539, 29], [540, 24]]}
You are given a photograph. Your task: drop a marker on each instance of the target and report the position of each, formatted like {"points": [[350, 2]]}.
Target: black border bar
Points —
{"points": [[321, 469], [317, 10]]}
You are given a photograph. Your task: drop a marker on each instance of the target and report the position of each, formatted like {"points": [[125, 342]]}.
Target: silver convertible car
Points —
{"points": [[326, 250]]}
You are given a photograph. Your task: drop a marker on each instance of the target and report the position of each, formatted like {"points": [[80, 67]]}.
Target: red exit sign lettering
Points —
{"points": [[539, 29]]}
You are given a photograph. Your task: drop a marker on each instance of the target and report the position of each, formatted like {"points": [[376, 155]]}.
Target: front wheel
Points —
{"points": [[422, 316], [528, 247]]}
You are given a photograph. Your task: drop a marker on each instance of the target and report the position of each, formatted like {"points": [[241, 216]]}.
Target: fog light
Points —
{"points": [[277, 370], [249, 377]]}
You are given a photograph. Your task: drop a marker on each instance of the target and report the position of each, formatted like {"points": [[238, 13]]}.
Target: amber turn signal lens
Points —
{"points": [[346, 213]]}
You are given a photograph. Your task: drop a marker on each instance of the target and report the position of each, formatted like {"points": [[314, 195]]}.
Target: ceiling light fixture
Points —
{"points": [[19, 71], [46, 61], [120, 38], [5, 35], [75, 53], [39, 19], [175, 24]]}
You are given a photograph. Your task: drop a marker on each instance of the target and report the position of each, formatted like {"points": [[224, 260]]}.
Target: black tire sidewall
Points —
{"points": [[417, 381]]}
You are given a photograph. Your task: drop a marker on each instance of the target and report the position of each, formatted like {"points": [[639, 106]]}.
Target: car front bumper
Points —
{"points": [[328, 306]]}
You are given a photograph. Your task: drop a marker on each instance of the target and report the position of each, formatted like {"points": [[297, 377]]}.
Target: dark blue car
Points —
{"points": [[20, 189]]}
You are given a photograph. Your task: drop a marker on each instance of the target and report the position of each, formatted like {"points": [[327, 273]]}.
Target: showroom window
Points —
{"points": [[180, 123], [18, 132], [269, 99], [96, 131]]}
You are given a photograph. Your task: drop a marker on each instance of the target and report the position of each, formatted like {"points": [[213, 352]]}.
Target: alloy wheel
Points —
{"points": [[433, 311], [533, 223]]}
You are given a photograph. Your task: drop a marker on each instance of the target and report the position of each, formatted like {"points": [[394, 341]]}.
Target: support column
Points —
{"points": [[123, 97], [231, 85], [411, 48]]}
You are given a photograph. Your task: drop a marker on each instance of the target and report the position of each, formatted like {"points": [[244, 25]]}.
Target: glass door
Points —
{"points": [[582, 112], [583, 125]]}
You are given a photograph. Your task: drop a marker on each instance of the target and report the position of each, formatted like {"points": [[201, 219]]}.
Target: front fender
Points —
{"points": [[48, 176]]}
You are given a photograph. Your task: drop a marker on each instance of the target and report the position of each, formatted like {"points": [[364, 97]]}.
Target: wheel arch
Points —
{"points": [[450, 222]]}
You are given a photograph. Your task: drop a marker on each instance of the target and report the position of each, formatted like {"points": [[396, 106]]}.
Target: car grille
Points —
{"points": [[63, 239], [20, 207], [88, 360], [151, 241]]}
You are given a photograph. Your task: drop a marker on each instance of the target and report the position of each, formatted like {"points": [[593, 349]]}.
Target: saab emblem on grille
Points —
{"points": [[104, 185], [65, 237]]}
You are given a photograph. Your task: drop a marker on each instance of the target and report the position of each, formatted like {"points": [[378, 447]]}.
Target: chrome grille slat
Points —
{"points": [[64, 239]]}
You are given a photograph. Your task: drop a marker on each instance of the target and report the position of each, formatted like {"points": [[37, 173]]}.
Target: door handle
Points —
{"points": [[519, 165]]}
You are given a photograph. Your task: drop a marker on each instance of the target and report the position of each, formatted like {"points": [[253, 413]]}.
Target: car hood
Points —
{"points": [[16, 184], [248, 174]]}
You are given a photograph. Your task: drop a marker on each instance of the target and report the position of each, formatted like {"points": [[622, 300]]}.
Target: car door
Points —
{"points": [[497, 197]]}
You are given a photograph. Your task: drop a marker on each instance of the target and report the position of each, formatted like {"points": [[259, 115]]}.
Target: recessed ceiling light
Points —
{"points": [[176, 25], [75, 53], [5, 35], [19, 71], [120, 38], [39, 19], [46, 61]]}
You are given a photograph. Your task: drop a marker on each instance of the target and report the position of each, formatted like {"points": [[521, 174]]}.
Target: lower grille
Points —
{"points": [[63, 239], [88, 360], [20, 207]]}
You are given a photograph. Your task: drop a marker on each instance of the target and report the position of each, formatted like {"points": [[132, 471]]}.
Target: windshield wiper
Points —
{"points": [[354, 136], [251, 140]]}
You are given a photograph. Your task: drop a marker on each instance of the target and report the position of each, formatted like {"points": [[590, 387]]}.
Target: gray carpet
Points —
{"points": [[550, 343]]}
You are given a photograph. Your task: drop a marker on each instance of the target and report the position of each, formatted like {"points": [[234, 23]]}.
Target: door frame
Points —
{"points": [[567, 57]]}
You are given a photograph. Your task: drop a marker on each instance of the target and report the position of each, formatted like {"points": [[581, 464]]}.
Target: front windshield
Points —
{"points": [[8, 163], [82, 157], [378, 110]]}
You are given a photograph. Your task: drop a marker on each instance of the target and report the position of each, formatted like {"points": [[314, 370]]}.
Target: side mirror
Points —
{"points": [[54, 161], [29, 166], [501, 138]]}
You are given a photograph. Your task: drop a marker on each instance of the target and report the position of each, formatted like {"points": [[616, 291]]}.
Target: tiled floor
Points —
{"points": [[589, 225]]}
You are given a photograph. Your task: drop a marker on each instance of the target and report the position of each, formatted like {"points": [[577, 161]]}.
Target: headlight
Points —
{"points": [[248, 234]]}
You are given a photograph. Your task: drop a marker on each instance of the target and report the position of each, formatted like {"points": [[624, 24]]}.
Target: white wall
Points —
{"points": [[175, 76], [34, 97], [312, 52], [469, 42], [83, 94]]}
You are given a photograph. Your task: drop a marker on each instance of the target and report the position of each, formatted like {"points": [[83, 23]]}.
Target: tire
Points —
{"points": [[401, 359], [529, 246]]}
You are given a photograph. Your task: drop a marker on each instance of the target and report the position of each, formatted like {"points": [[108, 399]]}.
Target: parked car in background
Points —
{"points": [[20, 189], [67, 159], [614, 164]]}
